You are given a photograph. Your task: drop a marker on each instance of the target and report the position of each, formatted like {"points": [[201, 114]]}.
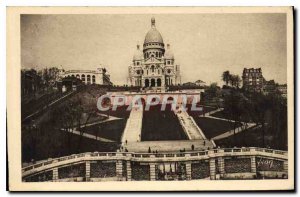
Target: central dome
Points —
{"points": [[153, 36]]}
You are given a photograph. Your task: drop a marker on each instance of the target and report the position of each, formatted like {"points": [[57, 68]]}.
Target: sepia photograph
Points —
{"points": [[150, 98]]}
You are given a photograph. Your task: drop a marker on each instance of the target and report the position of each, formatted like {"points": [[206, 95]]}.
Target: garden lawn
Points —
{"points": [[213, 127]]}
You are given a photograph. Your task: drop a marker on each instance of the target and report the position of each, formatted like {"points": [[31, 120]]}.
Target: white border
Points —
{"points": [[5, 3]]}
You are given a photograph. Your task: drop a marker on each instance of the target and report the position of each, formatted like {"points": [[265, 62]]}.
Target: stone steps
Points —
{"points": [[132, 131], [192, 130]]}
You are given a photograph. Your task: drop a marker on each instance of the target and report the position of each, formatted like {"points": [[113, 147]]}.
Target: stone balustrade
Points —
{"points": [[228, 163]]}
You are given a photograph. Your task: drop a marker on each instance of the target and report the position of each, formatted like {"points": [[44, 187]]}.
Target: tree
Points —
{"points": [[260, 105], [97, 131], [277, 121], [234, 107], [226, 77], [212, 95], [106, 102], [212, 90], [49, 76], [235, 81], [65, 121]]}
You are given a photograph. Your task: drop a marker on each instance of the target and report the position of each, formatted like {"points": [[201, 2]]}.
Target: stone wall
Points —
{"points": [[214, 164]]}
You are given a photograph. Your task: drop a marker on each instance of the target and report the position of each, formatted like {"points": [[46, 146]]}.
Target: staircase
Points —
{"points": [[190, 127], [132, 131]]}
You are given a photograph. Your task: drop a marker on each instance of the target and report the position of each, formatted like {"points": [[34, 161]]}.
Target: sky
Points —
{"points": [[204, 45]]}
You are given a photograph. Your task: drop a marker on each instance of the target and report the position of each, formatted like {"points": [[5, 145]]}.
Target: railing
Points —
{"points": [[80, 71], [146, 157]]}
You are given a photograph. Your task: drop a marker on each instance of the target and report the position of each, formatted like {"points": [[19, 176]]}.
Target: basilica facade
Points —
{"points": [[154, 65]]}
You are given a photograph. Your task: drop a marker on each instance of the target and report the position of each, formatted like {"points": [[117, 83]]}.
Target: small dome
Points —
{"points": [[169, 54], [153, 36], [138, 54]]}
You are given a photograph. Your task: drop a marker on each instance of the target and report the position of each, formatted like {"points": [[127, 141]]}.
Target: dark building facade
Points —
{"points": [[253, 79], [30, 82], [282, 88], [269, 87]]}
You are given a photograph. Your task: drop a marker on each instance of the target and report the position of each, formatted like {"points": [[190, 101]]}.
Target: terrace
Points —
{"points": [[237, 164]]}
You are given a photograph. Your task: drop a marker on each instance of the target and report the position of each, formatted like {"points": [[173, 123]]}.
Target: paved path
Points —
{"points": [[237, 130], [47, 106], [133, 128], [111, 118], [230, 132], [87, 135], [211, 112], [168, 146], [224, 119]]}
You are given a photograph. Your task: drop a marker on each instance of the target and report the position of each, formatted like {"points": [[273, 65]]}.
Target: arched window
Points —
{"points": [[152, 68], [170, 98], [158, 82], [77, 76], [83, 78], [88, 78], [152, 82], [146, 82], [93, 79]]}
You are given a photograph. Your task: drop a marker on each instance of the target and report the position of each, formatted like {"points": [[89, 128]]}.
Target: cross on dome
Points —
{"points": [[153, 22]]}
